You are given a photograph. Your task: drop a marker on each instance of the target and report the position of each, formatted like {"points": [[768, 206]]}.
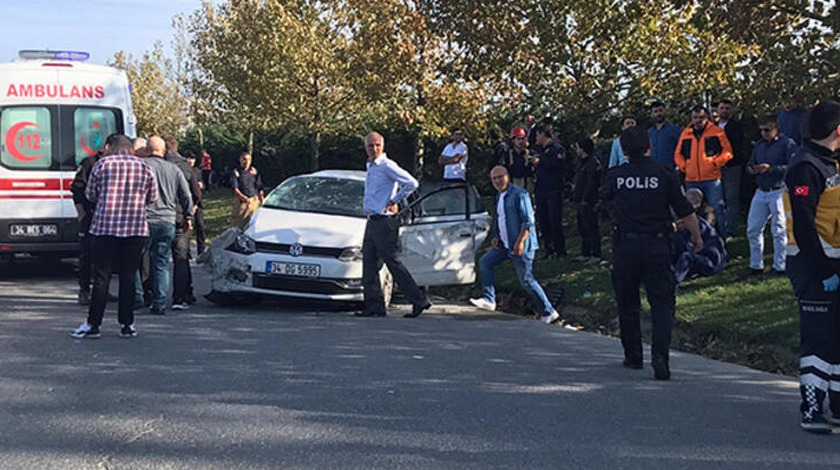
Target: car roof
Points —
{"points": [[356, 175]]}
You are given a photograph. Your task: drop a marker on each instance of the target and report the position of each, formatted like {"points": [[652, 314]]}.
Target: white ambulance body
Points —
{"points": [[54, 112]]}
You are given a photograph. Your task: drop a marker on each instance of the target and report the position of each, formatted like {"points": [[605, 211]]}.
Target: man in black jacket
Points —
{"points": [[84, 212], [732, 172], [587, 184], [550, 171], [182, 289]]}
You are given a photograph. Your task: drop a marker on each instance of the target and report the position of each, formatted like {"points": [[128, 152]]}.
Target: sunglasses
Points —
{"points": [[765, 129]]}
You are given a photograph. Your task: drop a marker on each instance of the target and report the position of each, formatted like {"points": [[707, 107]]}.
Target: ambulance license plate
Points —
{"points": [[33, 230]]}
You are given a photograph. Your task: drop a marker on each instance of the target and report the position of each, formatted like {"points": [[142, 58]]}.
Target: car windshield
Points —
{"points": [[323, 195]]}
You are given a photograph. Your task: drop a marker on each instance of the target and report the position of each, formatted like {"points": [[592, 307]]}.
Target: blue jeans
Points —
{"points": [[767, 206], [160, 250], [713, 192], [524, 266]]}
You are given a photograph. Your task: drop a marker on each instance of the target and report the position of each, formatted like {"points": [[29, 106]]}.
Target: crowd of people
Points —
{"points": [[138, 202], [675, 195], [672, 193]]}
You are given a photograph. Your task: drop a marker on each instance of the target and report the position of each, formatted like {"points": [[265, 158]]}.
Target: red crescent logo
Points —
{"points": [[11, 146], [85, 147]]}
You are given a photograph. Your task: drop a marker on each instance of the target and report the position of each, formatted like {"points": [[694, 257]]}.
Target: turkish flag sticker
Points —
{"points": [[801, 191]]}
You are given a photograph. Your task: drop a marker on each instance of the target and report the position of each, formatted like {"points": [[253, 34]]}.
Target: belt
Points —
{"points": [[378, 216], [770, 190]]}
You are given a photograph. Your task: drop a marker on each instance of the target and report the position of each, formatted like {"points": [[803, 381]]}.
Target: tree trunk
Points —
{"points": [[417, 133], [315, 150]]}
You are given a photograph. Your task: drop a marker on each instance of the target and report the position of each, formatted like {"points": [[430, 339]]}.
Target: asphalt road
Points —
{"points": [[300, 386]]}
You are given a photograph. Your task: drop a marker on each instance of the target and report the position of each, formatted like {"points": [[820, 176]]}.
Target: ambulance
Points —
{"points": [[55, 110]]}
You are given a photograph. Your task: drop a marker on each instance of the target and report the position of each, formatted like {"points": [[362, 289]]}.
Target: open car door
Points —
{"points": [[443, 227]]}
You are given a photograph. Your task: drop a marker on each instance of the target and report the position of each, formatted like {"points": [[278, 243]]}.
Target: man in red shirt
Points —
{"points": [[121, 185]]}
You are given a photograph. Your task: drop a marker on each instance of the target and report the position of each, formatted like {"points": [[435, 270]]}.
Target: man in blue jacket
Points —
{"points": [[514, 239], [768, 163]]}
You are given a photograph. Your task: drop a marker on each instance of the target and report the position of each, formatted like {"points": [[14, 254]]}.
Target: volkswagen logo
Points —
{"points": [[296, 249]]}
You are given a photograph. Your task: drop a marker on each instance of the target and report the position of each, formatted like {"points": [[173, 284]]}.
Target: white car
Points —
{"points": [[306, 240]]}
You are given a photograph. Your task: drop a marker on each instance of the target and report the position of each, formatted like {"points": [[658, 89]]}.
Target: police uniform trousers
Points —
{"points": [[381, 244], [819, 325], [550, 220], [637, 259]]}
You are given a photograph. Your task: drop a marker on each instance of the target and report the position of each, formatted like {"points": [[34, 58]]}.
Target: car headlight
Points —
{"points": [[354, 253], [244, 244]]}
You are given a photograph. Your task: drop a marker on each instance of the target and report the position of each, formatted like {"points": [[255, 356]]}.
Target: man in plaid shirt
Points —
{"points": [[121, 185]]}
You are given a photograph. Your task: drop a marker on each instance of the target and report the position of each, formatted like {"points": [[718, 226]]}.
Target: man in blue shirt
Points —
{"points": [[790, 118], [386, 184], [768, 163], [514, 239], [663, 137], [616, 154]]}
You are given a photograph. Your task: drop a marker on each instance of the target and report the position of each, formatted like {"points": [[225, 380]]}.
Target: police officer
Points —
{"points": [[644, 194], [813, 264]]}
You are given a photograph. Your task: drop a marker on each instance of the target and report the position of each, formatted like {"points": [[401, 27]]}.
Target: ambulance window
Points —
{"points": [[91, 127], [26, 138]]}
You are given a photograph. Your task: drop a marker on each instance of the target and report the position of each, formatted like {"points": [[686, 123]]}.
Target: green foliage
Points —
{"points": [[155, 94]]}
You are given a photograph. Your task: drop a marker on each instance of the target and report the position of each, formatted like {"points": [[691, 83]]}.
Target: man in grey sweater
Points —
{"points": [[173, 198]]}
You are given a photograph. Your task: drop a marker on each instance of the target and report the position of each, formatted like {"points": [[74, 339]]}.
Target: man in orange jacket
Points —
{"points": [[702, 151]]}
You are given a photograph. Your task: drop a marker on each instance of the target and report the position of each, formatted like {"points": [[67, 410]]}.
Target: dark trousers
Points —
{"points": [[644, 260], [125, 254], [381, 245], [84, 255], [590, 233], [182, 289], [819, 329], [205, 179], [200, 233], [550, 221]]}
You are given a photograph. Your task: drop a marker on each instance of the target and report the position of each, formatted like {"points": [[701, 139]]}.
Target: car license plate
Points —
{"points": [[293, 269], [34, 230]]}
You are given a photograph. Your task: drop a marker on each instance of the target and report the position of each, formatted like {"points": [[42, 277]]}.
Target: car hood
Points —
{"points": [[308, 229]]}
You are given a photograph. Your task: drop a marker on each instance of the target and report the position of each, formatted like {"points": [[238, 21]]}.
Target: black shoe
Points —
{"points": [[816, 423], [661, 371], [128, 331], [417, 310], [632, 364], [748, 274], [365, 313], [157, 311], [776, 273]]}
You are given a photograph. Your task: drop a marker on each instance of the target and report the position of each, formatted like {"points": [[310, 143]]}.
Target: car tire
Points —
{"points": [[386, 281]]}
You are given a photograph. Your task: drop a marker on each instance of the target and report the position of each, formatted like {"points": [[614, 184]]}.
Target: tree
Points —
{"points": [[278, 65], [155, 95], [413, 72]]}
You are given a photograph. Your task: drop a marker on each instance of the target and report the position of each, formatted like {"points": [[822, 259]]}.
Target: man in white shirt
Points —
{"points": [[454, 157]]}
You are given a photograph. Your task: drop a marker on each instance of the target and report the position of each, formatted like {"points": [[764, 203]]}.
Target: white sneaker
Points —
{"points": [[551, 318], [483, 304], [181, 306], [85, 331]]}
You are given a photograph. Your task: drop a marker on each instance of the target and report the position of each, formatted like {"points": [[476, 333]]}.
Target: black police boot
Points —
{"points": [[661, 371], [631, 363]]}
